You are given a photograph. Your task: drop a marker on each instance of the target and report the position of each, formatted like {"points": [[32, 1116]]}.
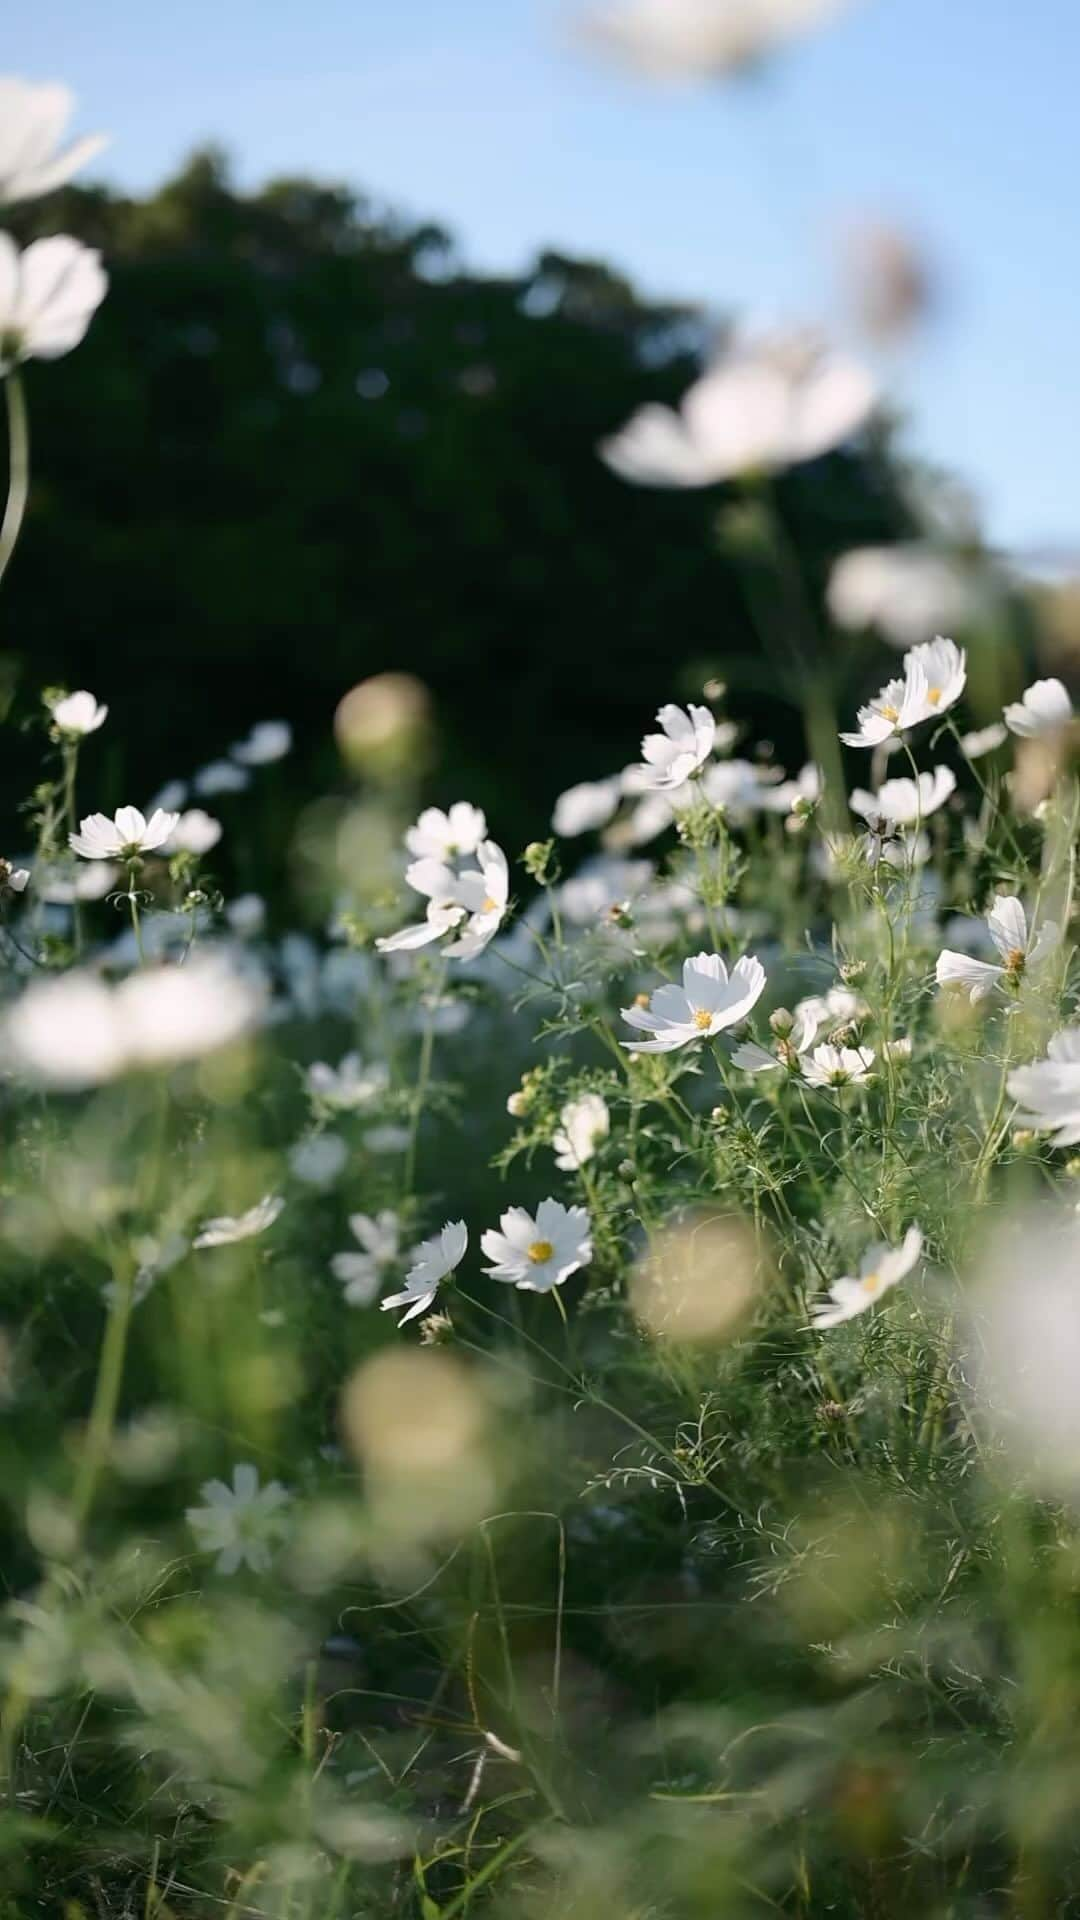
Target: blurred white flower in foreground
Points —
{"points": [[268, 741], [879, 1270], [75, 1031], [125, 836], [902, 802], [768, 404], [79, 713], [830, 1066], [906, 592], [241, 1523], [380, 1236], [582, 808], [684, 745], [350, 1084], [1044, 707], [1049, 1090], [227, 1228], [221, 776], [583, 1124], [48, 297], [709, 1000], [318, 1158], [61, 886], [1019, 950], [688, 39], [431, 1262], [536, 1254], [195, 832], [448, 836], [32, 123], [984, 740], [1025, 1342]]}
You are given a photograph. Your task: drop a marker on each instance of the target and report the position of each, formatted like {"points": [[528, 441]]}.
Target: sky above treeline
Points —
{"points": [[954, 118]]}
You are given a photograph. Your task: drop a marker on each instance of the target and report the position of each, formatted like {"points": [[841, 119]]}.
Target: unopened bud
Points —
{"points": [[781, 1020], [537, 860]]}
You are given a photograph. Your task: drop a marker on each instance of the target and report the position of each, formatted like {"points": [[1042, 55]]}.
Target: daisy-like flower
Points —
{"points": [[879, 1270], [1020, 951], [270, 740], [536, 1254], [793, 1041], [32, 122], [348, 1085], [241, 1523], [1044, 707], [226, 1229], [13, 879], [943, 667], [379, 1236], [903, 802], [431, 1263], [48, 297], [485, 895], [709, 1000], [769, 404], [583, 808], [127, 835], [445, 908], [684, 746], [1049, 1090], [74, 1031], [448, 836], [583, 1124], [195, 832], [830, 1066], [904, 591], [899, 705], [78, 714]]}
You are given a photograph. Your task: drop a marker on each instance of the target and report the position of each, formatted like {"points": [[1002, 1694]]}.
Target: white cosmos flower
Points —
{"points": [[60, 887], [360, 1273], [689, 39], [445, 908], [584, 807], [899, 705], [48, 297], [879, 1270], [708, 1001], [769, 404], [984, 740], [447, 837], [241, 1523], [904, 591], [903, 802], [195, 832], [789, 1047], [13, 879], [684, 745], [1019, 951], [221, 776], [536, 1254], [79, 713], [943, 667], [1044, 707], [830, 1066], [838, 1007], [583, 1124], [1049, 1090], [73, 1031], [350, 1084], [32, 123], [125, 836], [431, 1262], [268, 741], [226, 1228], [484, 893]]}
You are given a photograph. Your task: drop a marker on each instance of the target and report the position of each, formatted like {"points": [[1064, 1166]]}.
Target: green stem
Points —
{"points": [[99, 1429], [18, 467]]}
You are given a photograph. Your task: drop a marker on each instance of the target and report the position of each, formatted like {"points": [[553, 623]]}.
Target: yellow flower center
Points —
{"points": [[871, 1282], [540, 1251], [933, 694], [703, 1019], [890, 713], [488, 905], [1014, 960], [641, 999]]}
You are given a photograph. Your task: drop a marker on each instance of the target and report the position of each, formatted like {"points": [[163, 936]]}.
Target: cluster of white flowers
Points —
{"points": [[466, 903], [935, 675], [50, 291]]}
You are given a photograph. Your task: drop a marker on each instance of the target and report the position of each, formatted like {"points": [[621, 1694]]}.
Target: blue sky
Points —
{"points": [[957, 117]]}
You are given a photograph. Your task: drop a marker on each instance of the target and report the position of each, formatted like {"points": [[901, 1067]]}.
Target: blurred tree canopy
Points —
{"points": [[302, 444]]}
